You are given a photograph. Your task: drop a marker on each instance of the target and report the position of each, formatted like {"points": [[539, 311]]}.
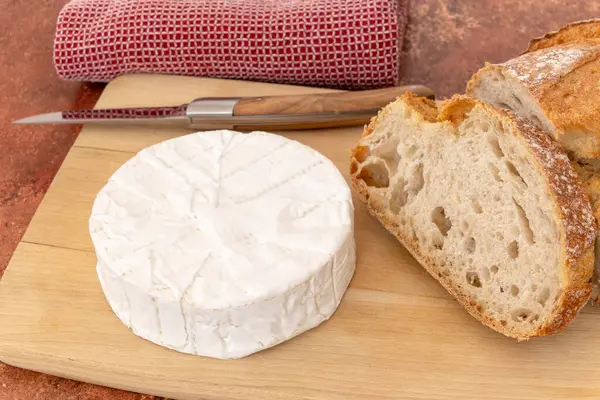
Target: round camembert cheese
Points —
{"points": [[222, 244]]}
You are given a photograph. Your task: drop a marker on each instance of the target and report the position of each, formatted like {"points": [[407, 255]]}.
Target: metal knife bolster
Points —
{"points": [[218, 113], [211, 112]]}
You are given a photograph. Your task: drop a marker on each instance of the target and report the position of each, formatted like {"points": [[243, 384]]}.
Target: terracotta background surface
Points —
{"points": [[447, 41]]}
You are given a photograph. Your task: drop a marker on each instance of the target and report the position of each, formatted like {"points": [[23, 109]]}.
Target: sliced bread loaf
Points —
{"points": [[487, 203], [554, 87], [554, 84]]}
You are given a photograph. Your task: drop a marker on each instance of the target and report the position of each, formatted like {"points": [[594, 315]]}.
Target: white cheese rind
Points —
{"points": [[222, 244]]}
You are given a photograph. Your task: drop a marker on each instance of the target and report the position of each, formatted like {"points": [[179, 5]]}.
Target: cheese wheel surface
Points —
{"points": [[223, 244]]}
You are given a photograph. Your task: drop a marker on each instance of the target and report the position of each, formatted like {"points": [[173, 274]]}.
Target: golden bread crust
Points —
{"points": [[590, 179], [570, 33], [456, 111], [425, 107], [578, 229], [589, 171]]}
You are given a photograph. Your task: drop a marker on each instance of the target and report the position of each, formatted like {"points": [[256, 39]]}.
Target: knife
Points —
{"points": [[288, 112]]}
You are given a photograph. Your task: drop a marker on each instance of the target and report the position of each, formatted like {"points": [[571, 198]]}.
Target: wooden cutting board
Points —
{"points": [[396, 335]]}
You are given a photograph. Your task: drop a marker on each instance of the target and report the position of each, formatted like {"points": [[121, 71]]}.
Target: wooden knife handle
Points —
{"points": [[325, 102]]}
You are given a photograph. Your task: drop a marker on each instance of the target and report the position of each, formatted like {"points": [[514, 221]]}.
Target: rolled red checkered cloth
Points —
{"points": [[348, 44]]}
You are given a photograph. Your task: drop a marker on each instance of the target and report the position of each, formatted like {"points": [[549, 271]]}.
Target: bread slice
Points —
{"points": [[554, 87], [487, 203], [576, 32]]}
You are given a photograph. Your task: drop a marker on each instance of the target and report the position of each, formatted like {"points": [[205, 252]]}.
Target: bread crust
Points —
{"points": [[563, 81], [571, 33], [577, 224], [589, 171]]}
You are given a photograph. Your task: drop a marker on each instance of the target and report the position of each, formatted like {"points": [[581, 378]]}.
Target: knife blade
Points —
{"points": [[309, 111]]}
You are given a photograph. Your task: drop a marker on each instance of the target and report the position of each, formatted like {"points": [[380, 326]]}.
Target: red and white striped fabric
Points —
{"points": [[349, 44]]}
